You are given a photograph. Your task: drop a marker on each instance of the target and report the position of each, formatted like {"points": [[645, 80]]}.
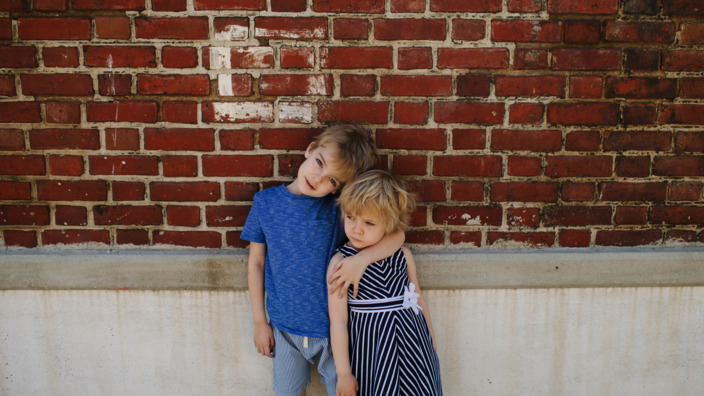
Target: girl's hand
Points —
{"points": [[347, 272], [264, 339], [347, 385]]}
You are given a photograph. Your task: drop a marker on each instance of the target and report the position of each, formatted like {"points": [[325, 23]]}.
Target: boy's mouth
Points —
{"points": [[310, 185]]}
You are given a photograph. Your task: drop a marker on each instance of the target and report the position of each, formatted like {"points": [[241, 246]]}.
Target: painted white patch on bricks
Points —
{"points": [[232, 32], [471, 220], [220, 57], [225, 85], [255, 56], [294, 34], [298, 112], [243, 111], [317, 86]]}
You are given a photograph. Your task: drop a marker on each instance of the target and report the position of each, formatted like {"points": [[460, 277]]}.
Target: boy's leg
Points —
{"points": [[291, 368], [326, 366]]}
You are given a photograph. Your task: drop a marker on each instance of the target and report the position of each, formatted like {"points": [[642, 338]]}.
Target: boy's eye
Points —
{"points": [[349, 217], [319, 162]]}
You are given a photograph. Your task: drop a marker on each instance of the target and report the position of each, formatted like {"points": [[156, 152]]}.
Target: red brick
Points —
{"points": [[583, 113], [121, 139], [689, 141], [679, 236], [624, 191], [46, 28], [473, 58], [572, 191], [112, 56], [226, 215], [574, 238], [633, 166], [582, 141], [691, 33], [640, 7], [586, 59], [470, 237], [291, 28], [469, 112], [297, 57], [679, 166], [288, 166], [231, 28], [127, 215], [582, 31], [187, 28], [238, 112], [7, 85], [523, 166], [637, 140], [416, 85], [69, 237], [173, 84], [233, 237], [685, 191], [169, 5], [184, 216], [578, 166], [467, 191], [631, 215], [66, 165], [200, 139], [234, 139], [57, 84], [415, 113], [590, 7], [180, 165], [523, 192], [531, 239], [576, 215], [474, 85], [585, 87], [407, 6], [422, 237], [180, 112], [530, 86], [128, 191], [683, 7], [112, 28], [530, 59], [109, 5], [409, 29], [468, 165], [24, 215], [410, 165], [520, 217], [63, 112], [70, 139], [296, 84], [692, 88], [244, 5], [353, 112], [123, 165], [15, 190], [526, 31], [238, 165], [184, 191], [639, 114], [415, 58], [627, 237], [683, 60], [682, 114], [122, 111], [12, 140], [642, 59], [468, 215], [526, 140], [641, 87], [525, 6], [14, 6], [468, 29], [412, 139], [179, 57], [349, 6], [60, 56], [70, 190], [26, 239], [286, 138], [526, 113], [115, 84], [240, 191], [466, 6], [640, 32], [356, 57], [351, 29], [241, 84], [289, 5], [22, 165], [419, 217], [132, 237], [679, 215], [194, 239]]}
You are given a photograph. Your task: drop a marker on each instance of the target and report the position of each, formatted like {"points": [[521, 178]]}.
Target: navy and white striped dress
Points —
{"points": [[391, 351]]}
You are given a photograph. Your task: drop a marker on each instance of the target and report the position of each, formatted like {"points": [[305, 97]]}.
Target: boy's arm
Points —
{"points": [[339, 339], [350, 270], [263, 335], [413, 278]]}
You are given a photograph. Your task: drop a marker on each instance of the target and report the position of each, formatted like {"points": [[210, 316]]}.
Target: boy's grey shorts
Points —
{"points": [[293, 355]]}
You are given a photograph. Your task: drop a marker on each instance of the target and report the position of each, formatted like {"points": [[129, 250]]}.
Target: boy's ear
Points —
{"points": [[309, 150]]}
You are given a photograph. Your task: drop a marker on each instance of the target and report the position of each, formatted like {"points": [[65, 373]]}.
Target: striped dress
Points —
{"points": [[391, 351]]}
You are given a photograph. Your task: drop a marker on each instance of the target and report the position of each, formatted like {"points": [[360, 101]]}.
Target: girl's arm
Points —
{"points": [[350, 270], [413, 278], [339, 339], [263, 335]]}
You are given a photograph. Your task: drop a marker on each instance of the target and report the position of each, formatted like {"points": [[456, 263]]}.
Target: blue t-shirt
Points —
{"points": [[301, 234]]}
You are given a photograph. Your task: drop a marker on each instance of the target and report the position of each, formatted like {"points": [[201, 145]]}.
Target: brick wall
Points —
{"points": [[544, 123]]}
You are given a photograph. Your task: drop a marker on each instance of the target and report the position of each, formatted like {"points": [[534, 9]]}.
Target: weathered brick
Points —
{"points": [[641, 87], [180, 165], [115, 84], [364, 112], [15, 190], [523, 192], [184, 191], [473, 58], [625, 191], [356, 57], [523, 166], [235, 139], [416, 85], [582, 141], [128, 191], [530, 86], [469, 113], [358, 85], [23, 112], [640, 7], [139, 111], [632, 166], [180, 112], [468, 29], [7, 85], [586, 59], [24, 215], [685, 191], [578, 166], [574, 238], [585, 87], [112, 28], [679, 236], [199, 139], [576, 215], [631, 215], [640, 32], [289, 5], [427, 190], [578, 191], [249, 111], [407, 6], [121, 139], [66, 165], [226, 215], [679, 166], [71, 190], [240, 191], [235, 84], [186, 28], [680, 215], [119, 56], [639, 114], [642, 59], [69, 139], [415, 58], [194, 239], [173, 84], [588, 7], [627, 237], [22, 165], [179, 57], [410, 165], [526, 113], [409, 29], [518, 217], [238, 165], [351, 29], [287, 138], [60, 56], [60, 84], [243, 5], [689, 141], [468, 215], [488, 6], [216, 58], [26, 239], [127, 215], [692, 33], [526, 140], [637, 140], [184, 216], [583, 113], [582, 31], [50, 28], [291, 28], [691, 88], [468, 238], [12, 140], [474, 85], [468, 165], [526, 31], [683, 7], [412, 113], [14, 6], [63, 112], [349, 6], [134, 237], [467, 191], [411, 139], [683, 60], [296, 85], [77, 236], [169, 5], [530, 239], [682, 114], [123, 165], [109, 5], [297, 57]]}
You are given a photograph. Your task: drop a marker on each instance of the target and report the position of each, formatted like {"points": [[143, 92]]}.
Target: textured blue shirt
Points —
{"points": [[301, 234]]}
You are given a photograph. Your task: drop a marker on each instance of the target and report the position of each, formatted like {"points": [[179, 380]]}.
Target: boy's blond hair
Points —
{"points": [[355, 146], [380, 193]]}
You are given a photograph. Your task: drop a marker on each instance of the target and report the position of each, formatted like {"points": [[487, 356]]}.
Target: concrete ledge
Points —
{"points": [[470, 269]]}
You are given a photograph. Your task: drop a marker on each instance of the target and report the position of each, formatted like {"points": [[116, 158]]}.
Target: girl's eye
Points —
{"points": [[369, 223], [333, 182]]}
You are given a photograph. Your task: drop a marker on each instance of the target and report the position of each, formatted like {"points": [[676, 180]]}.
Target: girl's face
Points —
{"points": [[364, 229]]}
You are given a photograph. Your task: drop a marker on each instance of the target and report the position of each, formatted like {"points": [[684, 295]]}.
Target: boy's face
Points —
{"points": [[364, 229], [320, 174]]}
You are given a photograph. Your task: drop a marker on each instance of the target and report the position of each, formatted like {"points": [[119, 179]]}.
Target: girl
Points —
{"points": [[388, 347]]}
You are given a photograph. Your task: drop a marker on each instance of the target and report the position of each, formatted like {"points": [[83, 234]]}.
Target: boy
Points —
{"points": [[294, 230]]}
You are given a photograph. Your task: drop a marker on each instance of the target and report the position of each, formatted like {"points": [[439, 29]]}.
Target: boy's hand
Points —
{"points": [[347, 385], [347, 272], [264, 339]]}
